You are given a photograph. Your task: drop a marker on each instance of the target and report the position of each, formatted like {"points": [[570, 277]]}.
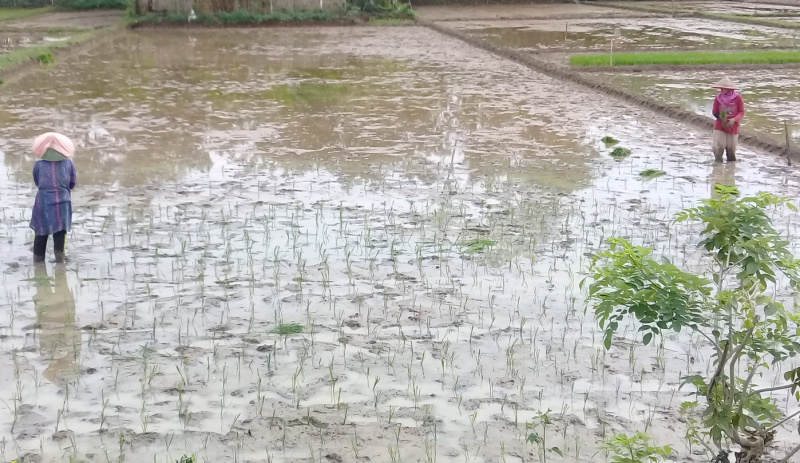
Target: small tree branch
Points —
{"points": [[750, 376], [735, 360], [746, 384], [790, 455], [771, 389], [713, 342], [784, 420]]}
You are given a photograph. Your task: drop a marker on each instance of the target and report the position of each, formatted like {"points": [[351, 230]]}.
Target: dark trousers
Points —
{"points": [[40, 243]]}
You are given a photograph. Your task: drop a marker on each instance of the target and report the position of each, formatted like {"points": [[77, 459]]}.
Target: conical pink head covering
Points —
{"points": [[53, 140]]}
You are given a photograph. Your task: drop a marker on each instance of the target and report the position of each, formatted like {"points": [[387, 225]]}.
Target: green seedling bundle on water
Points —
{"points": [[651, 173], [610, 141], [620, 153]]}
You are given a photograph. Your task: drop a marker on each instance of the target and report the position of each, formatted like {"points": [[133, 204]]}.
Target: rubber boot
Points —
{"points": [[60, 257], [38, 259]]}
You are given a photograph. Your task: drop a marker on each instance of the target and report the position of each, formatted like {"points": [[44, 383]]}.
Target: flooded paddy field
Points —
{"points": [[643, 34], [750, 8], [315, 245], [770, 95]]}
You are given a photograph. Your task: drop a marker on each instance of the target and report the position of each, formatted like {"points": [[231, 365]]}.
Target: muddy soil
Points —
{"points": [[78, 20], [424, 213]]}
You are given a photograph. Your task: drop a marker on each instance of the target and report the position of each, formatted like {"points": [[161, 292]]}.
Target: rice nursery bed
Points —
{"points": [[690, 58], [318, 246]]}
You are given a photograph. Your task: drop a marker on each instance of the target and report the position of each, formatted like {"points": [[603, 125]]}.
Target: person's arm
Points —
{"points": [[739, 109], [36, 174], [73, 175], [715, 109]]}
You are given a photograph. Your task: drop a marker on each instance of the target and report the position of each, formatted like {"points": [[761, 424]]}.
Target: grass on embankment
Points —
{"points": [[7, 14], [22, 55], [399, 12], [92, 5], [688, 58]]}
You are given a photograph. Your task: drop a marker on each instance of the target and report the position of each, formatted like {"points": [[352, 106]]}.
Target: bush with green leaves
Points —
{"points": [[749, 331], [92, 4], [383, 8], [635, 449]]}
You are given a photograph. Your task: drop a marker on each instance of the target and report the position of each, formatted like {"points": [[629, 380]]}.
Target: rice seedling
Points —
{"points": [[651, 173]]}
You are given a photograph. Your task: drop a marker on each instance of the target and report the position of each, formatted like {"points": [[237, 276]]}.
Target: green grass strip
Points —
{"points": [[17, 57], [688, 58], [7, 14]]}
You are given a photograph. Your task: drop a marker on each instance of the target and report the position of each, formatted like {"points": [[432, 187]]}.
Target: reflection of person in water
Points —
{"points": [[722, 174], [59, 338]]}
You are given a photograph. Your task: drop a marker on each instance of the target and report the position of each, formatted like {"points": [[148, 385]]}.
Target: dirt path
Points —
{"points": [[78, 19]]}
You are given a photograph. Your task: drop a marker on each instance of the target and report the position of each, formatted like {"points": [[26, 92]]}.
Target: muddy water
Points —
{"points": [[172, 99], [628, 34], [756, 9], [770, 96], [423, 212]]}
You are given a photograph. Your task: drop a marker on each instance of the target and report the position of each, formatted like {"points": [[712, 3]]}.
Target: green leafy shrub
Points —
{"points": [[635, 449], [46, 58], [749, 331], [92, 4]]}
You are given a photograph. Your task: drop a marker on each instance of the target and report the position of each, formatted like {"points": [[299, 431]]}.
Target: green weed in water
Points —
{"points": [[620, 153], [609, 141], [288, 328], [187, 459], [651, 173], [318, 73], [309, 93], [478, 245], [303, 94]]}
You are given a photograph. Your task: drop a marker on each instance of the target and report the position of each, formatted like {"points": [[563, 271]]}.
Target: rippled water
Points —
{"points": [[769, 95], [628, 34]]}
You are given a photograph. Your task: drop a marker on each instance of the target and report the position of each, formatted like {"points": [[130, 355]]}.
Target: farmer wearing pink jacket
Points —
{"points": [[729, 111]]}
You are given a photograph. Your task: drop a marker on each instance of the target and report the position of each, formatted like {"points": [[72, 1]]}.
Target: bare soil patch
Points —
{"points": [[77, 19]]}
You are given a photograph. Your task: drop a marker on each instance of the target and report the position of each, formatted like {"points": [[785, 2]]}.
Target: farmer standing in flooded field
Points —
{"points": [[728, 109], [55, 177]]}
